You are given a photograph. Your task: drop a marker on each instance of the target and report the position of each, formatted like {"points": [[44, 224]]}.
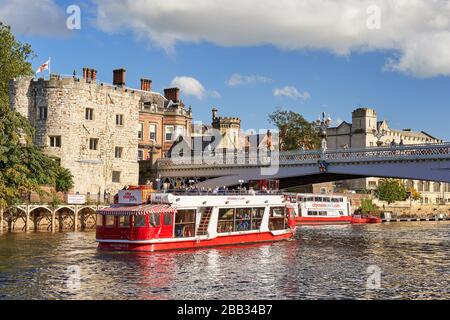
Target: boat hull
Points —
{"points": [[364, 220], [323, 220], [225, 240]]}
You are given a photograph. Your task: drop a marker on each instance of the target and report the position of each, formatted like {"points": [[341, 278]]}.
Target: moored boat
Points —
{"points": [[168, 221], [314, 209], [359, 219]]}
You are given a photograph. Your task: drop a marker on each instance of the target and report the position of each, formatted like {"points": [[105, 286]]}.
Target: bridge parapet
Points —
{"points": [[438, 151]]}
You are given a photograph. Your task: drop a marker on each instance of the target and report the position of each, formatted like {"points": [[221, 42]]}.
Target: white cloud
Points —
{"points": [[31, 17], [241, 80], [189, 86], [415, 32], [291, 92], [192, 87]]}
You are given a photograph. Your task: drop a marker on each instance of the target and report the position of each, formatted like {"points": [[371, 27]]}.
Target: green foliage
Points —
{"points": [[415, 195], [14, 57], [23, 166], [295, 131], [367, 207], [391, 190]]}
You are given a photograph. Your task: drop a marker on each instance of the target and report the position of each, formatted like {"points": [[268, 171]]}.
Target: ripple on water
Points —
{"points": [[327, 262]]}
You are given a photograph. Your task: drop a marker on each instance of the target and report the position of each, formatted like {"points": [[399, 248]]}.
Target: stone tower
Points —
{"points": [[364, 122], [229, 128]]}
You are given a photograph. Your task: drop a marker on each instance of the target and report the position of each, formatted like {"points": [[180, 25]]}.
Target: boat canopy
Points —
{"points": [[136, 210]]}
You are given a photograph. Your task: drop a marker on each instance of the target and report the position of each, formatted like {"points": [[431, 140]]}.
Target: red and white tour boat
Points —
{"points": [[313, 209], [168, 221]]}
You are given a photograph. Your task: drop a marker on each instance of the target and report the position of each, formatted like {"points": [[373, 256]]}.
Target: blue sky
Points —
{"points": [[326, 80]]}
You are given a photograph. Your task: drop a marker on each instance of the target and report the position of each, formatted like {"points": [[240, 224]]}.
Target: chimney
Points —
{"points": [[214, 113], [119, 77], [84, 73], [172, 94], [88, 74], [146, 85], [94, 75]]}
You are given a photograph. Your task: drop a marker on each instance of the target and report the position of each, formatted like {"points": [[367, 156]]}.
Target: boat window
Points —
{"points": [[341, 213], [139, 221], [110, 221], [317, 199], [167, 219], [243, 219], [277, 218], [99, 220], [124, 222], [310, 199], [312, 213], [185, 223], [341, 199], [322, 213], [154, 219], [256, 218], [226, 220]]}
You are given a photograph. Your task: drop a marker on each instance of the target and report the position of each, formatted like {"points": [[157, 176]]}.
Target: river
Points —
{"points": [[407, 260]]}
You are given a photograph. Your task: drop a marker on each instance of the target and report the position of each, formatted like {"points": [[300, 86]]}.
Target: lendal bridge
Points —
{"points": [[293, 168]]}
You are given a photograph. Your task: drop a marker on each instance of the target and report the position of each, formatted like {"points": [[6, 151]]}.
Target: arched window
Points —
{"points": [[420, 186], [426, 186], [436, 187]]}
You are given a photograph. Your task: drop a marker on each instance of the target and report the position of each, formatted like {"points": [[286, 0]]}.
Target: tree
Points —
{"points": [[367, 207], [23, 166], [294, 130], [415, 195], [391, 190], [14, 57]]}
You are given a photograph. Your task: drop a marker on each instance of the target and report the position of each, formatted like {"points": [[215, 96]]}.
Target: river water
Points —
{"points": [[326, 262]]}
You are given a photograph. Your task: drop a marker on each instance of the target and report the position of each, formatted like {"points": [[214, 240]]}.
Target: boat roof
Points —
{"points": [[124, 210]]}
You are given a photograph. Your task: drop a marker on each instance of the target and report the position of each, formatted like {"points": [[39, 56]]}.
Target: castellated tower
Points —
{"points": [[364, 122], [229, 128], [90, 128]]}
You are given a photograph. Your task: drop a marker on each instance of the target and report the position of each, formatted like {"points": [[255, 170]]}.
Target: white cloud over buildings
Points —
{"points": [[291, 92], [415, 32], [242, 80], [192, 87]]}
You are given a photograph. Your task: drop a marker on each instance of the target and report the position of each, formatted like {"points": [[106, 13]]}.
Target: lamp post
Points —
{"points": [[158, 185], [240, 185], [323, 122], [379, 133]]}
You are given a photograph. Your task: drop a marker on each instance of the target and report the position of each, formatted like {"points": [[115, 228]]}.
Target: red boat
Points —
{"points": [[170, 221], [358, 219], [316, 209]]}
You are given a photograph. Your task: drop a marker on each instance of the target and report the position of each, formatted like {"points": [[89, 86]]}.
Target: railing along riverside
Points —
{"points": [[406, 152]]}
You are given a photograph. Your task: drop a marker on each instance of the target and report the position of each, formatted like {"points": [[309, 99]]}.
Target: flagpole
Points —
{"points": [[49, 72]]}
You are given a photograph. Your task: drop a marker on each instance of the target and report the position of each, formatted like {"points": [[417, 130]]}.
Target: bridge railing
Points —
{"points": [[419, 151]]}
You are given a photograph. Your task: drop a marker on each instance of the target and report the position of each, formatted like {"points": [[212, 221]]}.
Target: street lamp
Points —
{"points": [[323, 123], [241, 182], [379, 133], [158, 186]]}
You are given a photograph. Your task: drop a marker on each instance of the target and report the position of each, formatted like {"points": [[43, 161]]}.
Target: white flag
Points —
{"points": [[44, 66]]}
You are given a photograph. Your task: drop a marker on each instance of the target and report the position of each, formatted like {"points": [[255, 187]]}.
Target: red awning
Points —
{"points": [[118, 210]]}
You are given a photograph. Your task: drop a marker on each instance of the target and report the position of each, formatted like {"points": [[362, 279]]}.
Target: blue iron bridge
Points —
{"points": [[293, 168]]}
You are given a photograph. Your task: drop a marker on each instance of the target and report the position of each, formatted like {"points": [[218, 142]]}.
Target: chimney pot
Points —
{"points": [[119, 77], [146, 85]]}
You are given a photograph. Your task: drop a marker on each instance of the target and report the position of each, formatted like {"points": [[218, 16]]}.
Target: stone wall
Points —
{"points": [[66, 101]]}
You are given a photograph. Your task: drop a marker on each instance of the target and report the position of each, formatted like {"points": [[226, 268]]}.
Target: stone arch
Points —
{"points": [[14, 218], [87, 218], [64, 218], [40, 217]]}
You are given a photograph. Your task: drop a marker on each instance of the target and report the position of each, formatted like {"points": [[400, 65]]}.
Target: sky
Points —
{"points": [[249, 57]]}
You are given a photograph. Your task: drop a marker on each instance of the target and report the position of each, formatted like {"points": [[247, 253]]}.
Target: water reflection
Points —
{"points": [[321, 263]]}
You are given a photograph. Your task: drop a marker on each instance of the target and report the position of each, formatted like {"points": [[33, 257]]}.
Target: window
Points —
{"points": [[140, 221], [140, 155], [55, 141], [185, 223], [116, 176], [93, 143], [119, 119], [277, 218], [141, 131], [42, 112], [154, 219], [152, 128], [110, 221], [436, 187], [118, 152], [124, 221], [167, 219], [99, 220], [89, 114], [226, 220], [243, 219], [256, 218], [169, 133]]}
